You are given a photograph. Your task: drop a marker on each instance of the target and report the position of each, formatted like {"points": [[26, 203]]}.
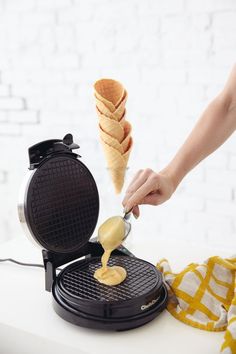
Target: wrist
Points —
{"points": [[173, 175]]}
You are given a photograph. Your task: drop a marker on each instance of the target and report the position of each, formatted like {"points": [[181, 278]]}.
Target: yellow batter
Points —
{"points": [[110, 234]]}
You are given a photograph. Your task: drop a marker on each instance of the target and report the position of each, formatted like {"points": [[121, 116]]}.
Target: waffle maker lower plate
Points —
{"points": [[80, 299], [58, 208]]}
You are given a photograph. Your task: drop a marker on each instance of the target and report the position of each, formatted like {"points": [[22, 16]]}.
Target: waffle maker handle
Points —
{"points": [[40, 151]]}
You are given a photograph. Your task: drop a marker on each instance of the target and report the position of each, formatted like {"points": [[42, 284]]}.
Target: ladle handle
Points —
{"points": [[128, 214]]}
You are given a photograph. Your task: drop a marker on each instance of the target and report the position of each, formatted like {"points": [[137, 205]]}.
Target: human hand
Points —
{"points": [[148, 187]]}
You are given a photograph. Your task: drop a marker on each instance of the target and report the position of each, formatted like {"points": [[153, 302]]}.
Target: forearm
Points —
{"points": [[216, 124]]}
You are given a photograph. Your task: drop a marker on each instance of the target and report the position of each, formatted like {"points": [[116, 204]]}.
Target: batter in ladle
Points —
{"points": [[111, 234]]}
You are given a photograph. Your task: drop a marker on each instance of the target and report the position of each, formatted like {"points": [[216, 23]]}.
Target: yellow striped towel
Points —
{"points": [[204, 296]]}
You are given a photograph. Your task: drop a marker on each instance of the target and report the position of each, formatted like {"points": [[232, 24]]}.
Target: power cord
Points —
{"points": [[23, 264]]}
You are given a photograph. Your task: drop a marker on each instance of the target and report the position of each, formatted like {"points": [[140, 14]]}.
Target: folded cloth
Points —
{"points": [[204, 296]]}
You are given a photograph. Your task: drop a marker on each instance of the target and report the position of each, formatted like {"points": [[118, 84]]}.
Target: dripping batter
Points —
{"points": [[111, 234]]}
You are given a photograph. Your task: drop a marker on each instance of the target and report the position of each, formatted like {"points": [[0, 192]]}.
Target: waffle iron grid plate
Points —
{"points": [[82, 300], [62, 204], [77, 285]]}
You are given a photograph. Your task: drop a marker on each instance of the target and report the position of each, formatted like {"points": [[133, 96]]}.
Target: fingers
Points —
{"points": [[138, 180], [138, 196], [148, 187], [153, 199], [136, 211], [134, 178], [141, 179]]}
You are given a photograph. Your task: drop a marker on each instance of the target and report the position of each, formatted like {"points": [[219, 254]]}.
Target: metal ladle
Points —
{"points": [[126, 217], [127, 226]]}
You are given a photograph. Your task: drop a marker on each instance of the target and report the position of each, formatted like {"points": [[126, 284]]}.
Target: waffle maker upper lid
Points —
{"points": [[61, 202]]}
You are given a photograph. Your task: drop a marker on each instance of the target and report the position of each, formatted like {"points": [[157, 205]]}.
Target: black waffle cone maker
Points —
{"points": [[58, 208]]}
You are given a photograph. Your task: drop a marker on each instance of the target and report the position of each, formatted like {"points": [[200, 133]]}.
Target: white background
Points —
{"points": [[172, 56]]}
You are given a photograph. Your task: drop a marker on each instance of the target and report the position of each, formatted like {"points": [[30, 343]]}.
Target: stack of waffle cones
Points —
{"points": [[115, 130]]}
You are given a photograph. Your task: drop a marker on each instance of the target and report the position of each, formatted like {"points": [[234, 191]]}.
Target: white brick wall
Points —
{"points": [[172, 55]]}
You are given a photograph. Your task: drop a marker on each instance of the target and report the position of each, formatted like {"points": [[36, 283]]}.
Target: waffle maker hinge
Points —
{"points": [[52, 260]]}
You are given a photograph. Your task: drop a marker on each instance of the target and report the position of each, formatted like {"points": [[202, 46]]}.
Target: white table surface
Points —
{"points": [[28, 323]]}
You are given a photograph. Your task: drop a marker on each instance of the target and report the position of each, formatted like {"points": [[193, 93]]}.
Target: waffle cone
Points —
{"points": [[116, 113], [114, 130], [117, 177], [127, 153], [123, 120], [112, 117], [117, 164], [127, 136], [109, 140], [110, 92], [111, 127], [119, 112]]}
